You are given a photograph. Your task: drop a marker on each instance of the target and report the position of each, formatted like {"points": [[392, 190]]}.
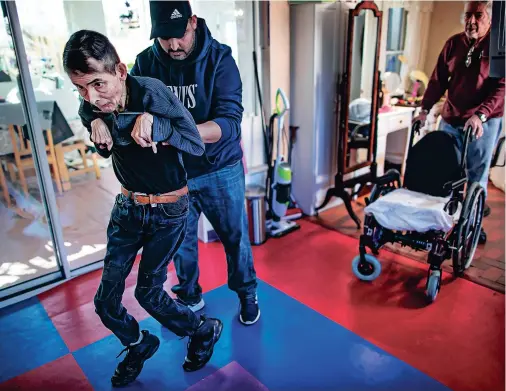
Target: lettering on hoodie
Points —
{"points": [[186, 94]]}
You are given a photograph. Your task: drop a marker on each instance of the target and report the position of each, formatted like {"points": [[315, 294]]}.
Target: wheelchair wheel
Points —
{"points": [[433, 285], [368, 270], [468, 229]]}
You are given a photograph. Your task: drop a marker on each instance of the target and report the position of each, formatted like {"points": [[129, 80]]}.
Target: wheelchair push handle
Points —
{"points": [[468, 137], [415, 129], [417, 125], [469, 134]]}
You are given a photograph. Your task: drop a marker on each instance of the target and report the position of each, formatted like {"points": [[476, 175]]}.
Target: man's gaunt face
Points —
{"points": [[181, 48], [477, 20], [101, 88]]}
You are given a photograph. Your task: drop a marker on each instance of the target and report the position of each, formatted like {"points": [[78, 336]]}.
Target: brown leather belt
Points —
{"points": [[145, 199]]}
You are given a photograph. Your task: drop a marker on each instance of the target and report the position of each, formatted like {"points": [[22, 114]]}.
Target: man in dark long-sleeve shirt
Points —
{"points": [[145, 129], [474, 99]]}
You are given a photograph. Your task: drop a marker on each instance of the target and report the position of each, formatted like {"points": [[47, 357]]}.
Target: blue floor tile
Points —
{"points": [[291, 348], [28, 339]]}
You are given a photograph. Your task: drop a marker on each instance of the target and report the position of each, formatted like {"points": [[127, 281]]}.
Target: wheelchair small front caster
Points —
{"points": [[433, 285], [367, 270]]}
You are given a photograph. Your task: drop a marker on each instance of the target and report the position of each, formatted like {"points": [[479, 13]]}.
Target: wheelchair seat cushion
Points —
{"points": [[407, 210], [432, 162]]}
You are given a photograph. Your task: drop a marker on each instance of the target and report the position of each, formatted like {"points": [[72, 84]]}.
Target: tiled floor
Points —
{"points": [[488, 265], [320, 329], [84, 210]]}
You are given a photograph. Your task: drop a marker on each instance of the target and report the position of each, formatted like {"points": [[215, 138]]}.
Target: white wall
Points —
{"points": [[84, 15], [445, 22], [279, 57]]}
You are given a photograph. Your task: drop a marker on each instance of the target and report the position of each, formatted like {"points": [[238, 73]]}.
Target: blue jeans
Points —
{"points": [[479, 152], [159, 231], [220, 196]]}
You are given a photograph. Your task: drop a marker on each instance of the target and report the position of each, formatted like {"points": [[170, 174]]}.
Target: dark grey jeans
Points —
{"points": [[159, 231]]}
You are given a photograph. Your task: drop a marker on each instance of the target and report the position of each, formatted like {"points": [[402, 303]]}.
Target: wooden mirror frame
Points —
{"points": [[346, 89]]}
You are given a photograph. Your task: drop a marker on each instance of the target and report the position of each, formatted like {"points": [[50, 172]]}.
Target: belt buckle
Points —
{"points": [[134, 197], [153, 204]]}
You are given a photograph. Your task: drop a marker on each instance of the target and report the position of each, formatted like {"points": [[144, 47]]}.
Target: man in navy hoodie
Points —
{"points": [[202, 73]]}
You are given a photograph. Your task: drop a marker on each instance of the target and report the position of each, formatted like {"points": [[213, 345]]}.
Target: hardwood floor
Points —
{"points": [[488, 265]]}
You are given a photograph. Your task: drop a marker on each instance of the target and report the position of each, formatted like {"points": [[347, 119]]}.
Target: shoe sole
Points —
{"points": [[249, 323], [212, 351], [151, 354]]}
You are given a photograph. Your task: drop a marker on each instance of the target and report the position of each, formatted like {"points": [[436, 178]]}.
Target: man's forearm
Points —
{"points": [[210, 132]]}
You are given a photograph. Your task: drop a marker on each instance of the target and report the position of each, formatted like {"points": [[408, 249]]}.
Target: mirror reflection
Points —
{"points": [[361, 77]]}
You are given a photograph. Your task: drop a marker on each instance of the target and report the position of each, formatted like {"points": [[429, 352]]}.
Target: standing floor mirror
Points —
{"points": [[359, 94]]}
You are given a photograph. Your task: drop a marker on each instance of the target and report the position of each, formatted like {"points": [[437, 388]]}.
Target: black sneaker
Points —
{"points": [[128, 370], [201, 344], [249, 313], [486, 211]]}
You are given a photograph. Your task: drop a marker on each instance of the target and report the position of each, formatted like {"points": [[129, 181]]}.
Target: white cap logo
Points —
{"points": [[176, 14]]}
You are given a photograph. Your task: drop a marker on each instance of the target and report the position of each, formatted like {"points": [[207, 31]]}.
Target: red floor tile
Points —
{"points": [[82, 326], [82, 289], [76, 292], [459, 340], [73, 313], [63, 374]]}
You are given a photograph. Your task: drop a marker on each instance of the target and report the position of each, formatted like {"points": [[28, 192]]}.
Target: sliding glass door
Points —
{"points": [[56, 193], [31, 254]]}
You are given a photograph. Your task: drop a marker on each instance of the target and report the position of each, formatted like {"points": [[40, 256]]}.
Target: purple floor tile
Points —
{"points": [[231, 377]]}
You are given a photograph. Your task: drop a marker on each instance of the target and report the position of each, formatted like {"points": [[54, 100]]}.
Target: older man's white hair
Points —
{"points": [[486, 3]]}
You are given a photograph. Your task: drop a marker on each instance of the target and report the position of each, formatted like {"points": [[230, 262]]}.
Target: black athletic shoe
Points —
{"points": [[249, 312], [486, 211], [483, 237], [128, 370], [201, 344]]}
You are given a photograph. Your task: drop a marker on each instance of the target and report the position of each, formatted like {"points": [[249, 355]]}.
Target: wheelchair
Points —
{"points": [[435, 210]]}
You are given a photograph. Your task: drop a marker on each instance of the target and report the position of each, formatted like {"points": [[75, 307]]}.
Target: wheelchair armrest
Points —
{"points": [[450, 186], [392, 176]]}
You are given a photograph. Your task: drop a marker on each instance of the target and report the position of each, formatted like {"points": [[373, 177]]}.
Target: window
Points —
{"points": [[396, 37], [232, 23]]}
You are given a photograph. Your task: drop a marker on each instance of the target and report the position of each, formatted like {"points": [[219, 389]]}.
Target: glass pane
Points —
{"points": [[393, 64], [88, 185], [396, 29], [27, 254], [231, 23], [86, 182]]}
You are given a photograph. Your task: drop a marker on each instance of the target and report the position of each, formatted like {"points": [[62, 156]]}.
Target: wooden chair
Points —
{"points": [[22, 158], [3, 184], [81, 147]]}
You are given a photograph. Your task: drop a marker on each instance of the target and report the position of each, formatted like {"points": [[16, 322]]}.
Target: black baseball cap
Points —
{"points": [[169, 18]]}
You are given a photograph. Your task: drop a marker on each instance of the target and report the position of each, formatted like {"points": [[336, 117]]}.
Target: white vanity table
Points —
{"points": [[394, 130]]}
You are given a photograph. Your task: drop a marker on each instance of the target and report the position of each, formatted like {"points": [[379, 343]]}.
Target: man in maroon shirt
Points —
{"points": [[474, 99]]}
